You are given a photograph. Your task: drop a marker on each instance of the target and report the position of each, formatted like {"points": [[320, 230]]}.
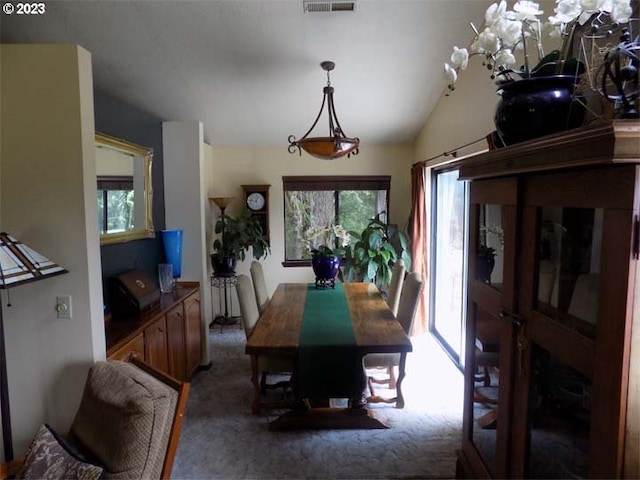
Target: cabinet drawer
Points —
{"points": [[133, 348]]}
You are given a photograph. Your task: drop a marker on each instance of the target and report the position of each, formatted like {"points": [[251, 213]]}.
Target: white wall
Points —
{"points": [[233, 167], [185, 202], [47, 200]]}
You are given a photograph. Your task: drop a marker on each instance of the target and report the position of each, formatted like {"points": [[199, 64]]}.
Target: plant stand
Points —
{"points": [[224, 285]]}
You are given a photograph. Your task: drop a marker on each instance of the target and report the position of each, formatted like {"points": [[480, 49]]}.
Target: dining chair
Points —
{"points": [[408, 304], [395, 287], [259, 285], [267, 364]]}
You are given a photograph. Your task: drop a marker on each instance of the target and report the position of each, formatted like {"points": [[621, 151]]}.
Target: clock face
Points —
{"points": [[255, 201]]}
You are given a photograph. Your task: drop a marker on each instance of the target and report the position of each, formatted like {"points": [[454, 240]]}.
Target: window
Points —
{"points": [[316, 202], [115, 204]]}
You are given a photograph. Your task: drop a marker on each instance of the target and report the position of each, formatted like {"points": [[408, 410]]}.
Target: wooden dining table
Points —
{"points": [[279, 330]]}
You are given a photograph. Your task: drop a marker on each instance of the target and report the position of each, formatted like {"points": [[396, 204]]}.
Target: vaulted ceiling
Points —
{"points": [[249, 69]]}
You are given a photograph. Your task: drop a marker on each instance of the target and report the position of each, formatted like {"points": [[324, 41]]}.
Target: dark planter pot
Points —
{"points": [[223, 266], [484, 267], [326, 269], [538, 106]]}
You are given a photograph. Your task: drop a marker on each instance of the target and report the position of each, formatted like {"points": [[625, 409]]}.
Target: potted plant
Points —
{"points": [[539, 97], [376, 250], [236, 236]]}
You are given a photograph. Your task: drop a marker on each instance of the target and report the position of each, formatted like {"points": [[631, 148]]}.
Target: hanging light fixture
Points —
{"points": [[337, 144]]}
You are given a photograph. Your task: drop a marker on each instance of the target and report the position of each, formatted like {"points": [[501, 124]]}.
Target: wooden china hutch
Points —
{"points": [[552, 354]]}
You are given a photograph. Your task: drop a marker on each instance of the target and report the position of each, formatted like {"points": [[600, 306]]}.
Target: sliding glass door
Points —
{"points": [[448, 254]]}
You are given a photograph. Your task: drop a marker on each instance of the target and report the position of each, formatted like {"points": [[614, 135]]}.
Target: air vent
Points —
{"points": [[312, 6]]}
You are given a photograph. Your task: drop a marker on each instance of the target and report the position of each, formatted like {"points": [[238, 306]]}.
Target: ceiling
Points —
{"points": [[250, 69]]}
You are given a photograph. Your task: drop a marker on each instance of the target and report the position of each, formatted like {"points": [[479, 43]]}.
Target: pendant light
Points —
{"points": [[337, 144]]}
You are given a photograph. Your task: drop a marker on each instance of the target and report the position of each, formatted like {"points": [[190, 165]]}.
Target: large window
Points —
{"points": [[312, 203]]}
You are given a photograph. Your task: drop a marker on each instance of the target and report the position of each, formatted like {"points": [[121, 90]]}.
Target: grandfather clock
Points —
{"points": [[256, 199]]}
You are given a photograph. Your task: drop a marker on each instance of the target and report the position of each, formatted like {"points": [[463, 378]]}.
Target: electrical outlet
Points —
{"points": [[63, 307]]}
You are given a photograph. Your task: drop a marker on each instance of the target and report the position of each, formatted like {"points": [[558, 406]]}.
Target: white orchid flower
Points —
{"points": [[487, 41], [450, 74], [510, 31], [621, 11], [566, 11], [460, 58], [495, 12], [527, 10], [505, 57]]}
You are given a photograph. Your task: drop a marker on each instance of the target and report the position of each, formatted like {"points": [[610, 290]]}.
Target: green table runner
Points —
{"points": [[328, 366]]}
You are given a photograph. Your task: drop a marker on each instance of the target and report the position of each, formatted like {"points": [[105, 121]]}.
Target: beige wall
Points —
{"points": [[47, 200], [233, 167]]}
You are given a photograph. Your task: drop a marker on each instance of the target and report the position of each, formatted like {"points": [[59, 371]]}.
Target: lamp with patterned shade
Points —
{"points": [[19, 264]]}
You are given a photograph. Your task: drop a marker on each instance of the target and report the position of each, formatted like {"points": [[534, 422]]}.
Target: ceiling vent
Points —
{"points": [[314, 6]]}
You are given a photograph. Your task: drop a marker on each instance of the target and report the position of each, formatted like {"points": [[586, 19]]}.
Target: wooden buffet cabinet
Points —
{"points": [[552, 354], [167, 337]]}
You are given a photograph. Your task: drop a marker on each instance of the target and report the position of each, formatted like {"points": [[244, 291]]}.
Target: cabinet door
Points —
{"points": [[570, 396], [175, 342], [155, 345], [491, 316], [193, 332]]}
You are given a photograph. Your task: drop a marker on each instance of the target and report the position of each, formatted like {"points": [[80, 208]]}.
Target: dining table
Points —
{"points": [[326, 332]]}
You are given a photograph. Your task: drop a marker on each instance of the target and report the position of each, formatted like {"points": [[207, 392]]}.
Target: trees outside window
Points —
{"points": [[311, 203]]}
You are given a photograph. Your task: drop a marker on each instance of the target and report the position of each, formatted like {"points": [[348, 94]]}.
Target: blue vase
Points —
{"points": [[172, 241], [326, 269]]}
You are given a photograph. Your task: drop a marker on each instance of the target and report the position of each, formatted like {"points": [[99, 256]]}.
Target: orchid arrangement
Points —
{"points": [[326, 241], [506, 33]]}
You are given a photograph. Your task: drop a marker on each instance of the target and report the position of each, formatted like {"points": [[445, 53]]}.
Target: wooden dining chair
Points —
{"points": [[395, 287], [267, 364], [259, 285], [407, 307]]}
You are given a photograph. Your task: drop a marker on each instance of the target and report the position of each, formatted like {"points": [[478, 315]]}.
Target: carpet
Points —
{"points": [[221, 439]]}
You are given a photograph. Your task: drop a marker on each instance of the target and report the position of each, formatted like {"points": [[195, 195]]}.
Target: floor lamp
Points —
{"points": [[19, 264]]}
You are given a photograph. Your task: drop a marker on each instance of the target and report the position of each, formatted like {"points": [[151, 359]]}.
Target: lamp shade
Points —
{"points": [[21, 264]]}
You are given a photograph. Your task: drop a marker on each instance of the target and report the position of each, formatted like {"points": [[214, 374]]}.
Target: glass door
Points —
{"points": [[568, 397], [448, 267], [491, 324]]}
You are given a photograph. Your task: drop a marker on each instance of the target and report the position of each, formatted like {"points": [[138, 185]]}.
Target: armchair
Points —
{"points": [[128, 425]]}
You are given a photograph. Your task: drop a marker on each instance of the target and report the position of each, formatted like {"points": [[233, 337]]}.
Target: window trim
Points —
{"points": [[335, 183]]}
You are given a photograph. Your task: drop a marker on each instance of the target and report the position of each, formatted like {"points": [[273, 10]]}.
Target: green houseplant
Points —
{"points": [[236, 236], [376, 250]]}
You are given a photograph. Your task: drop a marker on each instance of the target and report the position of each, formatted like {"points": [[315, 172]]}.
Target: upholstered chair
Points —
{"points": [[259, 285], [395, 287], [127, 426], [267, 364], [409, 297]]}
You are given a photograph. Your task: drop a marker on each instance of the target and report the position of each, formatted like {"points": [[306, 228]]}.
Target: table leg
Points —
{"points": [[359, 401], [255, 408], [401, 374]]}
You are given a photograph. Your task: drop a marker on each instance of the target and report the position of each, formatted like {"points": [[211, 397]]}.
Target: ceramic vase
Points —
{"points": [[537, 106]]}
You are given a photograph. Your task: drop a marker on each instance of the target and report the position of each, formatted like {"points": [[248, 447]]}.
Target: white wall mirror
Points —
{"points": [[124, 198]]}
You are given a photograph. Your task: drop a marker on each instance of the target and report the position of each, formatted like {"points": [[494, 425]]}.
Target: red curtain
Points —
{"points": [[418, 229]]}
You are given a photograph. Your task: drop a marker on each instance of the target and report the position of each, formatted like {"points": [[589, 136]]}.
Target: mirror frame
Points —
{"points": [[146, 153]]}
